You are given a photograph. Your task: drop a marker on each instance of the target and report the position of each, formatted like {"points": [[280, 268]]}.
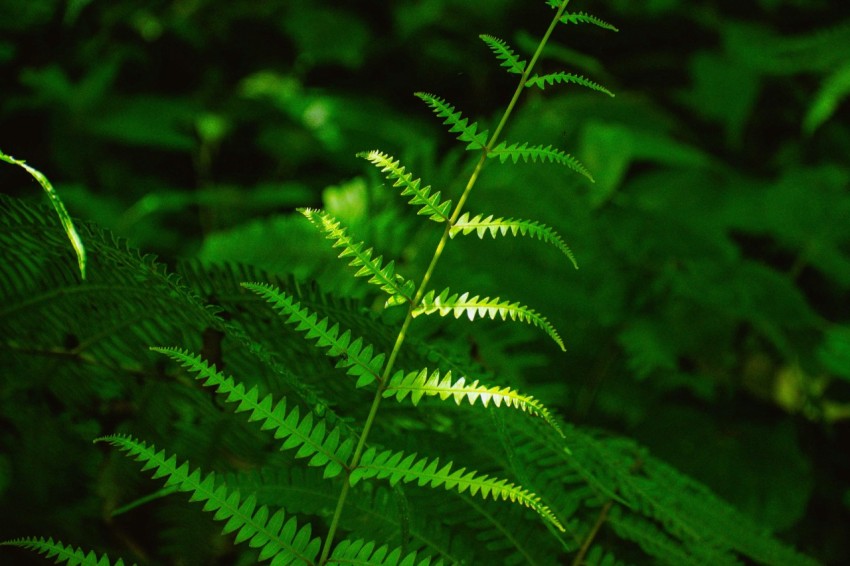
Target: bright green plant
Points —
{"points": [[504, 482]]}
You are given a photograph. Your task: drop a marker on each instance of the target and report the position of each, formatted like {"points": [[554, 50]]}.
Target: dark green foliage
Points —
{"points": [[276, 535], [707, 327]]}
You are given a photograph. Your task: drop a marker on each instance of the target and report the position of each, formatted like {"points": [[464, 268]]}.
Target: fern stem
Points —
{"points": [[367, 427], [340, 503], [423, 286], [603, 516], [507, 114]]}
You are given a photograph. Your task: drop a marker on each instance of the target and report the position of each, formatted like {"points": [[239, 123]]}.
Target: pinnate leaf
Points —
{"points": [[474, 306]]}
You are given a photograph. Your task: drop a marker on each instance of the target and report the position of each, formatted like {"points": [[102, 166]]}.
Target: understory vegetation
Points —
{"points": [[425, 282]]}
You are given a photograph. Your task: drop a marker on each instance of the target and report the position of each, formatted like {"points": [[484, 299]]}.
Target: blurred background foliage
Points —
{"points": [[710, 316]]}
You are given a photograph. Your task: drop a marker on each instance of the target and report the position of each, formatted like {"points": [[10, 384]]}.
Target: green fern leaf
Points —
{"points": [[458, 305], [277, 538], [505, 54], [417, 384], [466, 132], [397, 467], [312, 440], [585, 18], [361, 552], [431, 204], [536, 153], [501, 226], [580, 17], [399, 289], [361, 361], [552, 78], [61, 553]]}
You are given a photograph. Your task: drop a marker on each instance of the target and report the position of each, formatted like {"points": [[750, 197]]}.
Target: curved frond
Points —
{"points": [[467, 132], [61, 553], [277, 538], [459, 305], [501, 226], [312, 440], [58, 206], [505, 54], [361, 552], [399, 289], [432, 207], [536, 153], [581, 17], [417, 384], [398, 467], [360, 360], [561, 77], [585, 18]]}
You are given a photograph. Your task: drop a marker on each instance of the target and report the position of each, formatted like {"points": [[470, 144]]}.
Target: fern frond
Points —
{"points": [[361, 361], [536, 153], [361, 552], [501, 226], [581, 17], [277, 538], [398, 467], [61, 553], [458, 305], [417, 384], [505, 54], [466, 132], [312, 440], [585, 18], [561, 77], [399, 289], [431, 204]]}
